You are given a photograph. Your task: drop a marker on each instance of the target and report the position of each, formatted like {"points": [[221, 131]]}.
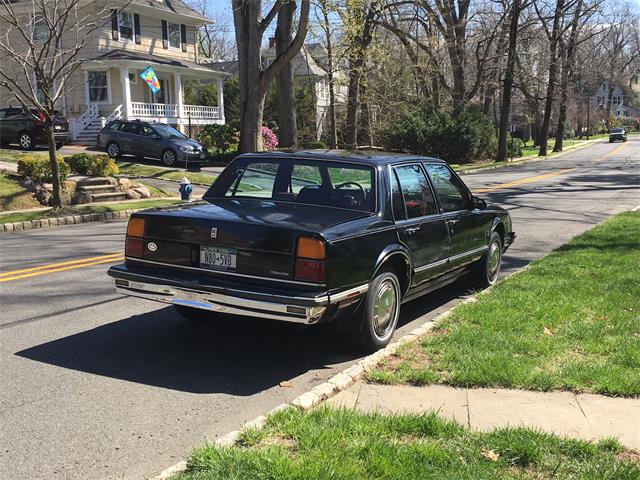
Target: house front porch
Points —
{"points": [[114, 90]]}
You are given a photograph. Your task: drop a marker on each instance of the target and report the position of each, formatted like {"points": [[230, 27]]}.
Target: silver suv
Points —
{"points": [[153, 140]]}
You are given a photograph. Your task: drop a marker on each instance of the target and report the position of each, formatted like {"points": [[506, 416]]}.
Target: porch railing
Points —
{"points": [[170, 110], [139, 109]]}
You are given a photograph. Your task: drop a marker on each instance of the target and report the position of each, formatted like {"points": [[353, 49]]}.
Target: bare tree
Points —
{"points": [[214, 43], [41, 47], [250, 27], [507, 85], [287, 128], [324, 9]]}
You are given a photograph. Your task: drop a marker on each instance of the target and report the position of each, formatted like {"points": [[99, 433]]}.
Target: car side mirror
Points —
{"points": [[478, 203]]}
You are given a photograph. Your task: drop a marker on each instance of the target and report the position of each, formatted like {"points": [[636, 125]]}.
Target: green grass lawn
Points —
{"points": [[570, 321], [14, 196], [342, 444], [137, 169], [87, 208]]}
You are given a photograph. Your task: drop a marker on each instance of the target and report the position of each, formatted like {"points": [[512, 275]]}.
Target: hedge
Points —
{"points": [[38, 168]]}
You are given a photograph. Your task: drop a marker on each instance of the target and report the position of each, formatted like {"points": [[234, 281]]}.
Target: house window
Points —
{"points": [[40, 92], [125, 25], [98, 87], [133, 78], [173, 30], [40, 30]]}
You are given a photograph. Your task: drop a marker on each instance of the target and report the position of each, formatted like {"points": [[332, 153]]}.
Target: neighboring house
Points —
{"points": [[309, 67], [156, 33], [620, 103]]}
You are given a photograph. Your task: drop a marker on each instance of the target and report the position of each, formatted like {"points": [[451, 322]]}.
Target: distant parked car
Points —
{"points": [[617, 134], [316, 237], [153, 140], [27, 129]]}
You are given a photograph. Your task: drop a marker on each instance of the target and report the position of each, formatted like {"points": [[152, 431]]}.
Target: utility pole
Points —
{"points": [[588, 109]]}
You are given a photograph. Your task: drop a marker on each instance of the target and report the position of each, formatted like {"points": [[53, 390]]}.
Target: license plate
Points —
{"points": [[201, 155], [218, 258], [58, 127]]}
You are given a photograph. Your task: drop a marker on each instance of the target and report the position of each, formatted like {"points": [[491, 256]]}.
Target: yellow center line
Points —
{"points": [[611, 153], [53, 268], [522, 181], [60, 264]]}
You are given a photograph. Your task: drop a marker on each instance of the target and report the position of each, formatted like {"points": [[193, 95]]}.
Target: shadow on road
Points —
{"points": [[239, 356]]}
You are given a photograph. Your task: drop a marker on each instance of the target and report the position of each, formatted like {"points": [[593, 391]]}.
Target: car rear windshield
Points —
{"points": [[326, 183]]}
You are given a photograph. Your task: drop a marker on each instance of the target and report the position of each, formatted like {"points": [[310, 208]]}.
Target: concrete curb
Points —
{"points": [[326, 390], [68, 220]]}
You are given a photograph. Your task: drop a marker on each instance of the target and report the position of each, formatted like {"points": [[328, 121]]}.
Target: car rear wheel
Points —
{"points": [[195, 315], [26, 141], [169, 157], [488, 267], [381, 310], [113, 149]]}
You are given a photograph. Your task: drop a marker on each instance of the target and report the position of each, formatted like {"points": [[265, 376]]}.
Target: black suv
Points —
{"points": [[27, 128], [617, 134]]}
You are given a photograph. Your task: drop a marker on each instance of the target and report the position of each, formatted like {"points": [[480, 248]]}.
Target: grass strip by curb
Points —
{"points": [[569, 321], [326, 443]]}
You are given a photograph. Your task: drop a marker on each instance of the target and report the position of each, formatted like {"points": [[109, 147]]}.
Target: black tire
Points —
{"points": [[380, 312], [169, 157], [194, 315], [26, 141], [113, 150], [610, 141], [487, 269]]}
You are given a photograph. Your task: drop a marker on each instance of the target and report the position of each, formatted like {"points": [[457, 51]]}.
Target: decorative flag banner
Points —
{"points": [[149, 76]]}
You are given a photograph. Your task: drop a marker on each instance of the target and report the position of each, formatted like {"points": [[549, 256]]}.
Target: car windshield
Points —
{"points": [[165, 131], [325, 183], [617, 130]]}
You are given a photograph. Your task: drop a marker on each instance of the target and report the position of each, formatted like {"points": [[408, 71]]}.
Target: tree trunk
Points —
{"points": [[553, 72], [333, 132], [567, 70], [56, 199], [505, 110], [287, 128], [353, 102]]}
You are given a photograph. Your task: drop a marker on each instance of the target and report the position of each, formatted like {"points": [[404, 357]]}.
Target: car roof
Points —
{"points": [[370, 157]]}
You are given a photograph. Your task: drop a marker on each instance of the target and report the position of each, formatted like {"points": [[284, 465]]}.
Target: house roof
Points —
{"points": [[303, 63], [119, 55], [176, 6]]}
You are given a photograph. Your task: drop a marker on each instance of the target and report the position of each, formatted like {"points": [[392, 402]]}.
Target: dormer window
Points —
{"points": [[125, 26]]}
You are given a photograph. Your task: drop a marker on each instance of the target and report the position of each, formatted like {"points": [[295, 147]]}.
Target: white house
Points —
{"points": [[145, 33]]}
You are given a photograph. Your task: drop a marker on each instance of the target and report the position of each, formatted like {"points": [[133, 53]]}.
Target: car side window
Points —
{"points": [[416, 192], [146, 130], [2, 114], [399, 213], [450, 189], [115, 126], [131, 128]]}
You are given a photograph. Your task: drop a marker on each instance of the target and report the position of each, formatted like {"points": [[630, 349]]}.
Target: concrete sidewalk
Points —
{"points": [[584, 416]]}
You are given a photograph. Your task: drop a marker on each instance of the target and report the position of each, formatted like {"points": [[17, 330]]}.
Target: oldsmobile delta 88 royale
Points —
{"points": [[316, 237]]}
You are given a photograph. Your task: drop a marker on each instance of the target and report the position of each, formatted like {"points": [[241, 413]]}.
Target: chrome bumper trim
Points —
{"points": [[230, 304]]}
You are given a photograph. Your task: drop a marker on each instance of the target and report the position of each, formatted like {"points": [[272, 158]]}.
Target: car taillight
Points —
{"points": [[310, 260], [134, 244], [41, 118]]}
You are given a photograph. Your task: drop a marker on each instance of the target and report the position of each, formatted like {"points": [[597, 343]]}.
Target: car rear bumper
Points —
{"points": [[60, 136], [304, 307]]}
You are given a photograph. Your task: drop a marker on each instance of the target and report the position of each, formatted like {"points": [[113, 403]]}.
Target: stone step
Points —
{"points": [[92, 189], [109, 197], [102, 181]]}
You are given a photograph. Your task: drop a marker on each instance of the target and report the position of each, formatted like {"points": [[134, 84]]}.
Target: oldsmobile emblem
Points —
{"points": [[214, 233], [152, 246]]}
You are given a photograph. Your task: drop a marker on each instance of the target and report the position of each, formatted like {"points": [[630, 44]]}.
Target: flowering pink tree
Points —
{"points": [[269, 139]]}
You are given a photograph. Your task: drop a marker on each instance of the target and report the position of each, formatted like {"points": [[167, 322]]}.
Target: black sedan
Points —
{"points": [[316, 237], [617, 135]]}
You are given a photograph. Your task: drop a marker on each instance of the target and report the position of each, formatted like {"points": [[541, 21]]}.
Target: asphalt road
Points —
{"points": [[94, 385]]}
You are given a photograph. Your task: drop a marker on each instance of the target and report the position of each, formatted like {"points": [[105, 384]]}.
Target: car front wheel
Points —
{"points": [[169, 157], [488, 267], [113, 149], [381, 311], [26, 141]]}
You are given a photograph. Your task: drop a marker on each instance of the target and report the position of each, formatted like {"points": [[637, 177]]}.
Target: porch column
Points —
{"points": [[177, 81], [126, 93], [221, 97]]}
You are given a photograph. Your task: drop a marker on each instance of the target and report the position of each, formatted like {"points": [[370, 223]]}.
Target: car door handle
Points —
{"points": [[452, 221], [412, 230]]}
